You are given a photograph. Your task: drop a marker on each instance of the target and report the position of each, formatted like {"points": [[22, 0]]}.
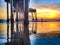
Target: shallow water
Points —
{"points": [[39, 40], [42, 27]]}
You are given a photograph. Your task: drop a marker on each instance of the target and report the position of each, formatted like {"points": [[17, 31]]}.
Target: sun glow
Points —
{"points": [[44, 10], [47, 13]]}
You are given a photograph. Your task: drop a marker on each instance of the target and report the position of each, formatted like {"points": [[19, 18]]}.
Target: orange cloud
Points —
{"points": [[48, 11]]}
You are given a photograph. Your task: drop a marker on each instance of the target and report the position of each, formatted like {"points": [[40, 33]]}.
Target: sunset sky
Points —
{"points": [[3, 11], [46, 8]]}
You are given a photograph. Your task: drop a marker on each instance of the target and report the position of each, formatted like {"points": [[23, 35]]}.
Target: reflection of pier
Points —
{"points": [[20, 37]]}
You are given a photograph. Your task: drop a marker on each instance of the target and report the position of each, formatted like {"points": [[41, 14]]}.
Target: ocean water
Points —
{"points": [[42, 27], [3, 39], [39, 40], [2, 44]]}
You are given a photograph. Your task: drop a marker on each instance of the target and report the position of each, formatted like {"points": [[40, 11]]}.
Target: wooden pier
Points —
{"points": [[18, 38]]}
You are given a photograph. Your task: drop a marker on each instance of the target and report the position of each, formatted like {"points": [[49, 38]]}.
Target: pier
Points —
{"points": [[20, 37], [34, 19]]}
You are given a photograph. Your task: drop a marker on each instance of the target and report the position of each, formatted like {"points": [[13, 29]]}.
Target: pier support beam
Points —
{"points": [[33, 11], [7, 22], [25, 35], [26, 40]]}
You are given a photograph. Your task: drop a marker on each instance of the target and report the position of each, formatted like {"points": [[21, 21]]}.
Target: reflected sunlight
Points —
{"points": [[52, 25]]}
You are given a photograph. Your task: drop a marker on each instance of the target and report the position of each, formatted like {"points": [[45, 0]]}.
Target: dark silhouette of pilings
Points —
{"points": [[26, 40], [34, 19], [12, 20], [35, 23], [7, 22], [25, 34], [17, 20]]}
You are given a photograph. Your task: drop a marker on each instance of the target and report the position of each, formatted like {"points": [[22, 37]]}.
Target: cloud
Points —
{"points": [[53, 7], [48, 11]]}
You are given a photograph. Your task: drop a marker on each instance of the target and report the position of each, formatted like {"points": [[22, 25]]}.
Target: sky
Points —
{"points": [[3, 9], [44, 2], [45, 8], [2, 3]]}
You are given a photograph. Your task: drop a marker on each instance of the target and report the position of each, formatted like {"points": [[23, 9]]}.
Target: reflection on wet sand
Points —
{"points": [[3, 28], [50, 29], [42, 27]]}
